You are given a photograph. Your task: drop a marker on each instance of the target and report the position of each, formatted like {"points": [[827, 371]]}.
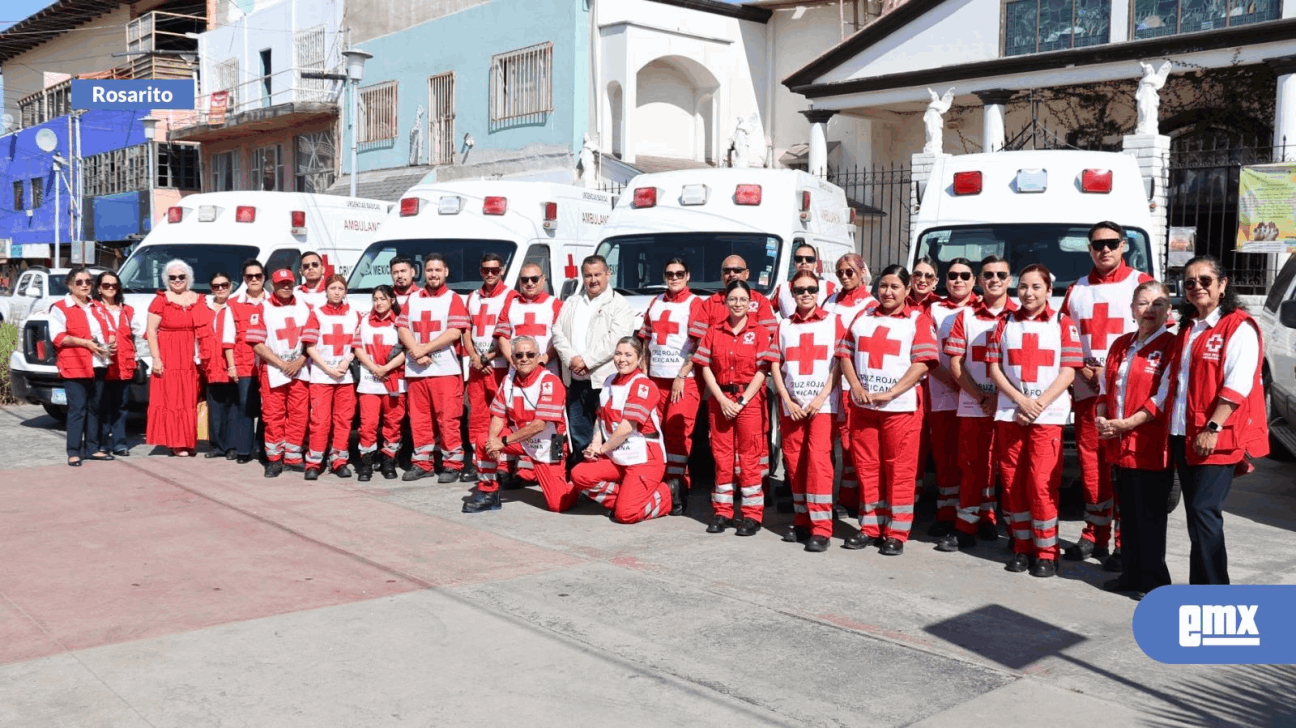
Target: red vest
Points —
{"points": [[1143, 447], [74, 362], [123, 366], [244, 311], [1247, 431], [215, 366]]}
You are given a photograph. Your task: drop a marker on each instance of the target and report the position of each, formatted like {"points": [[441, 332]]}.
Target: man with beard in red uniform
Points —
{"points": [[486, 368], [734, 268], [285, 397], [1099, 305], [403, 273], [312, 292], [430, 329]]}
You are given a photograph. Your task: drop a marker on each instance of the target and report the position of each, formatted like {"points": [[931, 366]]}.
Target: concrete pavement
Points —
{"points": [[181, 592]]}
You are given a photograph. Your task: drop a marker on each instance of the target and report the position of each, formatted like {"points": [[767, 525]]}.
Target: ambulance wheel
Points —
{"points": [[58, 412]]}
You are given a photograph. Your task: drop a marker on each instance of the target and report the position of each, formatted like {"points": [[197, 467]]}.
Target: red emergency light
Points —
{"points": [[747, 195], [495, 206], [409, 206], [298, 222], [805, 205], [245, 213], [1096, 181], [175, 214], [645, 197], [967, 183], [550, 215]]}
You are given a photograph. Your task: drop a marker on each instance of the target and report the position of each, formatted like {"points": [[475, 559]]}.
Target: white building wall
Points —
{"points": [[272, 25]]}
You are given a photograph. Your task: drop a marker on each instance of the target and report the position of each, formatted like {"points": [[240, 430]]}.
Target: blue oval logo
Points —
{"points": [[1218, 625]]}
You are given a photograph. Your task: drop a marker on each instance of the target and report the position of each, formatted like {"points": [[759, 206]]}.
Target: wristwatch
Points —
{"points": [[1213, 426], [742, 400]]}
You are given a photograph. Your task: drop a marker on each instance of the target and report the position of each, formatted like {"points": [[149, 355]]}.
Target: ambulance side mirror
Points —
{"points": [[1287, 314]]}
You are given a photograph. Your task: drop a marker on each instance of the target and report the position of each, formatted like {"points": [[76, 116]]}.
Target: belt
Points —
{"points": [[733, 388]]}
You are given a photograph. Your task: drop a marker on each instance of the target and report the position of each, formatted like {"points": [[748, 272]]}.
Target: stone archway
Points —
{"points": [[676, 109]]}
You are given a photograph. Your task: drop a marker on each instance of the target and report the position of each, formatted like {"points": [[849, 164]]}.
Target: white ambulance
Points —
{"points": [[549, 224], [1033, 207], [707, 215]]}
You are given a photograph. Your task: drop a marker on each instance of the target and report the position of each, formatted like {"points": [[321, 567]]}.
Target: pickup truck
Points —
{"points": [[1277, 319], [33, 286]]}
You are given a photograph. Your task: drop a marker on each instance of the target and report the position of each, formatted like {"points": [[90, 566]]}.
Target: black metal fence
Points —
{"points": [[880, 198], [1202, 202]]}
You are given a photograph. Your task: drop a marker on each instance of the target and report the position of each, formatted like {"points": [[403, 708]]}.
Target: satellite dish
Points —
{"points": [[8, 124], [47, 140]]}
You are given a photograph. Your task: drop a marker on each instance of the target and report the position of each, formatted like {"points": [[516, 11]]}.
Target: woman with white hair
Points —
{"points": [[179, 325]]}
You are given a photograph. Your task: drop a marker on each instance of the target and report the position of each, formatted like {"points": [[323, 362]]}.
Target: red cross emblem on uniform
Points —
{"points": [[663, 327], [289, 334], [336, 339], [1215, 343], [425, 325], [805, 354], [1099, 326], [376, 350], [1030, 357], [529, 327], [484, 319], [879, 346], [979, 353]]}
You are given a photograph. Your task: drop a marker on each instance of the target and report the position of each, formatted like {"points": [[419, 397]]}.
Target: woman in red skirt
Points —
{"points": [[178, 320]]}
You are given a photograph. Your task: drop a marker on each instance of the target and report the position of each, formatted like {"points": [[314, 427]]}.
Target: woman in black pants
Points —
{"points": [[120, 327], [83, 357], [1217, 409], [220, 375]]}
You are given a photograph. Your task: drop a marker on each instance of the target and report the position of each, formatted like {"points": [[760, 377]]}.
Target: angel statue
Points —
{"points": [[934, 120], [589, 178], [1148, 98], [416, 139]]}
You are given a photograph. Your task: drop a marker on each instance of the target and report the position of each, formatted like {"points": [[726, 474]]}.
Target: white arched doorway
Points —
{"points": [[675, 110], [616, 115]]}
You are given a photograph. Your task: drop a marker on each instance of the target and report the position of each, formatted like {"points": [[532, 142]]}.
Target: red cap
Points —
{"points": [[283, 275]]}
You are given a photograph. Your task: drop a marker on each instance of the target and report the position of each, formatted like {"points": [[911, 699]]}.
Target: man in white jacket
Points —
{"points": [[585, 336]]}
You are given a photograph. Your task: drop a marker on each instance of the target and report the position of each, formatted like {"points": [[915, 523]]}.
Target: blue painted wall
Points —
{"points": [[21, 159], [464, 42]]}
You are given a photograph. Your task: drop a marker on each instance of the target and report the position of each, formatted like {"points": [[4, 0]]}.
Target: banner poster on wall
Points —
{"points": [[1267, 209]]}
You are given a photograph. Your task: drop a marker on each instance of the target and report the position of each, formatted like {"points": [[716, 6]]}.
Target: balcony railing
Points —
{"points": [[223, 107]]}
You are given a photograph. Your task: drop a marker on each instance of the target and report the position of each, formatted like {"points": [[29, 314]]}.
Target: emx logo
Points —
{"points": [[1218, 625]]}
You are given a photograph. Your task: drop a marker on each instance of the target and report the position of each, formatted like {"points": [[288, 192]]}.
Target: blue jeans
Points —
{"points": [[222, 408], [112, 414], [582, 410], [83, 397], [246, 408], [1204, 489]]}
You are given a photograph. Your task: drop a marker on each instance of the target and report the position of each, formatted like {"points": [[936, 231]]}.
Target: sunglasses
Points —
{"points": [[672, 275], [732, 271], [959, 276], [525, 355], [1001, 275], [1191, 284], [802, 290], [528, 280], [804, 258], [85, 282], [1109, 244], [925, 276], [845, 272], [173, 279], [253, 276], [313, 264], [491, 271], [108, 286], [220, 286]]}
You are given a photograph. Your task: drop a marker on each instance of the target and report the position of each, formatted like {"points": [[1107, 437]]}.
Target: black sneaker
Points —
{"points": [[416, 474], [719, 524], [957, 541], [342, 471], [273, 469], [891, 547], [1085, 549], [859, 541], [940, 529], [677, 496], [312, 473], [1044, 568], [449, 476], [796, 534], [987, 531], [817, 544], [1018, 563], [388, 468], [748, 527], [481, 502]]}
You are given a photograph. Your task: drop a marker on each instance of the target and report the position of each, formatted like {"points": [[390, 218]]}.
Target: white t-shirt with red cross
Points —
{"points": [[378, 337], [805, 348], [540, 396], [313, 297], [331, 329], [969, 338], [484, 311], [1100, 307], [428, 316], [280, 325], [666, 327], [534, 318], [945, 397], [1032, 351], [883, 347], [630, 397]]}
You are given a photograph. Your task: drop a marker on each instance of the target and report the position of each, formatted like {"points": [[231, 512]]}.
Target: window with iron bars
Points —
{"points": [[441, 116], [20, 196], [521, 82], [178, 167], [377, 112], [38, 192], [111, 173]]}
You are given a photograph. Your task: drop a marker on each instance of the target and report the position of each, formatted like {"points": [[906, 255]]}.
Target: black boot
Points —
{"points": [[388, 467], [364, 471], [480, 502]]}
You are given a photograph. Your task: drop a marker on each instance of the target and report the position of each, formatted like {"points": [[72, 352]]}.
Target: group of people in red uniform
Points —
{"points": [[983, 383]]}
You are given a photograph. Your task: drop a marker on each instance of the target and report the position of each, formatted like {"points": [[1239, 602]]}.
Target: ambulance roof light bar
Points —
{"points": [[645, 197], [245, 213], [967, 183], [495, 206], [1097, 181], [409, 206], [747, 195]]}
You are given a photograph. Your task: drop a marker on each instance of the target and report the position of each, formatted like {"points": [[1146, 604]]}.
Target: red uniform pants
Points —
{"points": [[807, 446], [677, 421], [976, 492], [333, 409], [284, 412], [388, 410], [481, 390], [559, 495], [741, 454], [435, 407], [634, 492], [1095, 471], [848, 491], [885, 446], [944, 432], [1030, 458]]}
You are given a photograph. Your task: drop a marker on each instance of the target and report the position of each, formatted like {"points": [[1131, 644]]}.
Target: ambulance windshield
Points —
{"points": [[637, 261], [463, 255], [143, 272], [1063, 248]]}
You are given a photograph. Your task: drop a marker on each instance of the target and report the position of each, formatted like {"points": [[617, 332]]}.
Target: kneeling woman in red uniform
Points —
{"points": [[624, 463], [1032, 359], [1132, 426], [885, 353], [805, 376], [330, 332], [381, 389], [733, 357]]}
